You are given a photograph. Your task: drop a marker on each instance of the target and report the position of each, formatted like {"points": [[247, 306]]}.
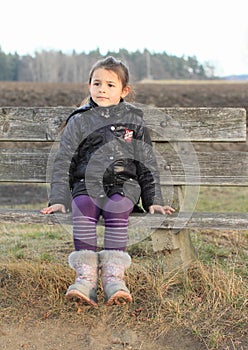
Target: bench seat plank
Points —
{"points": [[200, 220]]}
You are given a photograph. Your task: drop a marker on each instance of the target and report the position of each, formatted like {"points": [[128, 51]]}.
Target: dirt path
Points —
{"points": [[54, 335]]}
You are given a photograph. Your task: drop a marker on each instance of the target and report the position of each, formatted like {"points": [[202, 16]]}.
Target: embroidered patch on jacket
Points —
{"points": [[128, 136]]}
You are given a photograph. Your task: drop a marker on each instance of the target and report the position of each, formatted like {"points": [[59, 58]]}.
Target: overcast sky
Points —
{"points": [[214, 31]]}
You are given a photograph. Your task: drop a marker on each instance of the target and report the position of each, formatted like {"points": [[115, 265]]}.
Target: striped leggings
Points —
{"points": [[85, 214]]}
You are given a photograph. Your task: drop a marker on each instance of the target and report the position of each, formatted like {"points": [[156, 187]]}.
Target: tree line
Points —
{"points": [[56, 66]]}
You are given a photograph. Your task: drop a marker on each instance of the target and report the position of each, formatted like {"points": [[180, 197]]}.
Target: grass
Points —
{"points": [[209, 300], [222, 198]]}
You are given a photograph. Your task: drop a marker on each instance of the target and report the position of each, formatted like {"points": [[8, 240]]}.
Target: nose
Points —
{"points": [[102, 88]]}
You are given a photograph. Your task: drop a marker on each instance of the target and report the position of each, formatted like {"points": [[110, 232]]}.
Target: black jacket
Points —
{"points": [[106, 150]]}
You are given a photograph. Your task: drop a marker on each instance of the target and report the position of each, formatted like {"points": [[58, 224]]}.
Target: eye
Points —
{"points": [[111, 85], [96, 84]]}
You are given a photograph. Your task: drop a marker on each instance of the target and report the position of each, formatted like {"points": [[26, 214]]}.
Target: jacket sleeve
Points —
{"points": [[147, 169], [70, 139]]}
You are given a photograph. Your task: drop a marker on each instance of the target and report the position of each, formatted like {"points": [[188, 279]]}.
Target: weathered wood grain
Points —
{"points": [[167, 124], [176, 168], [234, 221], [197, 124]]}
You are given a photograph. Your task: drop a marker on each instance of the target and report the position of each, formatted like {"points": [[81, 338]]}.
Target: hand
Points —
{"points": [[54, 208], [166, 209]]}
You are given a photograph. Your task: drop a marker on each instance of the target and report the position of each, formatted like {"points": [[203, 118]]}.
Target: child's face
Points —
{"points": [[106, 88]]}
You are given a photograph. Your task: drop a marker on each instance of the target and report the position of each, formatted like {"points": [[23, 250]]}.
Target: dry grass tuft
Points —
{"points": [[32, 289], [207, 300], [216, 303]]}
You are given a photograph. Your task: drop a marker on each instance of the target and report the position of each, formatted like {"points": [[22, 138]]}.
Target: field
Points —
{"points": [[171, 93], [203, 308]]}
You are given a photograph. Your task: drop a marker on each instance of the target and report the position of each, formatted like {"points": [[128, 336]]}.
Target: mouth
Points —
{"points": [[102, 98]]}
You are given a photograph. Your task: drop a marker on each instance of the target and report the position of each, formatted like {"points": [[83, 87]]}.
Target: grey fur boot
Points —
{"points": [[113, 264], [85, 263]]}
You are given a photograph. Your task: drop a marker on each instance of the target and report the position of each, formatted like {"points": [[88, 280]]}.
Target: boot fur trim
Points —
{"points": [[77, 258], [117, 257]]}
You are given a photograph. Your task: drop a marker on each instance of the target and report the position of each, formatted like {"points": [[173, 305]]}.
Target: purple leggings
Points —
{"points": [[85, 214]]}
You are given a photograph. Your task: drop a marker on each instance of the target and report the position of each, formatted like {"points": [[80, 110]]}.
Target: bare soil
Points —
{"points": [[53, 335]]}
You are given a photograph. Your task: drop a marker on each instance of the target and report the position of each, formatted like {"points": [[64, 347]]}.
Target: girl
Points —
{"points": [[106, 163]]}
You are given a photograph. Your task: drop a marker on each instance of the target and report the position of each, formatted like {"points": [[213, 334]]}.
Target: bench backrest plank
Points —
{"points": [[23, 165], [166, 124]]}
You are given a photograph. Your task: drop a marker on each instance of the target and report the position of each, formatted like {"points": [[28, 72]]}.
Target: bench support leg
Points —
{"points": [[177, 248]]}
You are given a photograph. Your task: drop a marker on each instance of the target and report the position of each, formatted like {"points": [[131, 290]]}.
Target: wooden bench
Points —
{"points": [[29, 135]]}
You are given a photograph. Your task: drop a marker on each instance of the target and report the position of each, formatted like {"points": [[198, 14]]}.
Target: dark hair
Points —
{"points": [[115, 65]]}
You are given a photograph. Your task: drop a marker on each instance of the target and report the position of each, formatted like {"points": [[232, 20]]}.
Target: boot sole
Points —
{"points": [[119, 298], [82, 298]]}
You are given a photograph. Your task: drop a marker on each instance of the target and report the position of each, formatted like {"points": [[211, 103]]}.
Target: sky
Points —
{"points": [[214, 31]]}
